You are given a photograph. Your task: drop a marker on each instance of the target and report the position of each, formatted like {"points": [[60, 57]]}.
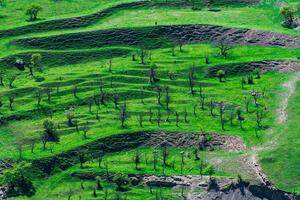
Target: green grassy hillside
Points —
{"points": [[104, 61]]}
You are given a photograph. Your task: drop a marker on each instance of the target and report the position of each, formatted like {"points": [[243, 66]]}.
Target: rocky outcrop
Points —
{"points": [[3, 192], [246, 191]]}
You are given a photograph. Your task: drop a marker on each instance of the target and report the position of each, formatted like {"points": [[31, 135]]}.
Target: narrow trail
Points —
{"points": [[290, 87], [282, 116]]}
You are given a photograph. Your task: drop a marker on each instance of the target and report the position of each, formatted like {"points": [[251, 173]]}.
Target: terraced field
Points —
{"points": [[157, 99]]}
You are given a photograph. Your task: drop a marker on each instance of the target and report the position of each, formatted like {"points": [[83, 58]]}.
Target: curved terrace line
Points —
{"points": [[161, 36]]}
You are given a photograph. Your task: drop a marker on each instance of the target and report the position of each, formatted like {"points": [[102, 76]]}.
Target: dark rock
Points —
{"points": [[159, 183]]}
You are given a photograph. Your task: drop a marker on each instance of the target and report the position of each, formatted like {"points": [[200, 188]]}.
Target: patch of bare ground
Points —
{"points": [[192, 33], [203, 141], [186, 182]]}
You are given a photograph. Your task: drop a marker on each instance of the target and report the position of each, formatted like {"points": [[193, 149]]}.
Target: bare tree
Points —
{"points": [[232, 116], [142, 96], [240, 117], [20, 149], [85, 129], [81, 158], [152, 75], [223, 47], [116, 100], [11, 99], [141, 120], [1, 78], [137, 159], [247, 103], [143, 55], [44, 140], [222, 110], [165, 155], [48, 91], [185, 116], [159, 91], [155, 159], [39, 96], [32, 145], [97, 116], [90, 104], [150, 115], [1, 105], [70, 114], [259, 116], [206, 59], [75, 89], [195, 110], [110, 65], [177, 119], [168, 98], [202, 102], [158, 117], [192, 80], [182, 155], [212, 106], [11, 80], [123, 114], [102, 98]]}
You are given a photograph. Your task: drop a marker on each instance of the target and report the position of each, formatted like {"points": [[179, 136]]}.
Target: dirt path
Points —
{"points": [[290, 87], [282, 116]]}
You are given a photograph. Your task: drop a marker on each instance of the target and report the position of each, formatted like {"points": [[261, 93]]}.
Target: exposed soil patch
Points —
{"points": [[187, 182], [161, 36], [228, 143], [253, 165], [248, 67]]}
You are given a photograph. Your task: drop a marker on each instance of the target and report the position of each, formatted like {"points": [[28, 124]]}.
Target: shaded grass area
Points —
{"points": [[287, 154], [108, 8], [14, 11], [61, 58], [76, 22]]}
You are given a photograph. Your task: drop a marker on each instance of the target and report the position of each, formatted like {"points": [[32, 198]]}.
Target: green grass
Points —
{"points": [[123, 162], [124, 68], [287, 153], [84, 66]]}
